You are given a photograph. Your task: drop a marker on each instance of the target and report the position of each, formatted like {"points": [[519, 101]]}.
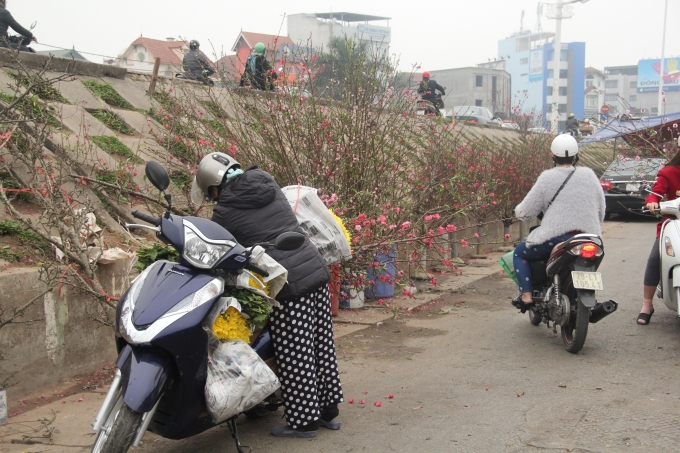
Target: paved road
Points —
{"points": [[468, 373], [480, 378]]}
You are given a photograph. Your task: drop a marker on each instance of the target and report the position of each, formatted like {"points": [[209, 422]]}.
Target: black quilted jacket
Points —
{"points": [[254, 209]]}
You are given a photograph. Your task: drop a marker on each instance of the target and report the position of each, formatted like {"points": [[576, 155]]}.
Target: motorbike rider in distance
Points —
{"points": [[572, 125], [428, 91], [258, 72], [578, 208], [196, 65], [6, 22]]}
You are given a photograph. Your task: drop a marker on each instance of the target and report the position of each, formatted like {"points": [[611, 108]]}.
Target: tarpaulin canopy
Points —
{"points": [[637, 131]]}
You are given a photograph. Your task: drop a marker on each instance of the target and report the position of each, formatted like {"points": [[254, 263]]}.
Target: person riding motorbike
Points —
{"points": [[572, 202], [258, 72], [428, 92], [196, 65], [572, 125], [254, 209], [6, 22], [667, 184]]}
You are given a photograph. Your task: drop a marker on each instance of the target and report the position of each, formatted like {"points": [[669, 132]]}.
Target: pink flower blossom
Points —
{"points": [[507, 236], [405, 225], [476, 235], [358, 227], [428, 218], [464, 242], [433, 282], [451, 228]]}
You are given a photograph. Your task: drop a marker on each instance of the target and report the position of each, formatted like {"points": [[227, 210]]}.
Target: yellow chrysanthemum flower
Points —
{"points": [[347, 234], [231, 325]]}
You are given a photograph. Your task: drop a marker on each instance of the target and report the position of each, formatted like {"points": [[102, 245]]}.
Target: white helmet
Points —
{"points": [[211, 172], [564, 145]]}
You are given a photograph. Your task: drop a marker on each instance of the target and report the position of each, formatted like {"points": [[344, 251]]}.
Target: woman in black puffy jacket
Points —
{"points": [[254, 209]]}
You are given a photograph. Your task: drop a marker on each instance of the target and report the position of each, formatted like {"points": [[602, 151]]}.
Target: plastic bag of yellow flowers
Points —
{"points": [[232, 325]]}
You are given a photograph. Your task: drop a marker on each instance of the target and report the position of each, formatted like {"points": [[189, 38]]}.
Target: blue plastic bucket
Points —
{"points": [[382, 290]]}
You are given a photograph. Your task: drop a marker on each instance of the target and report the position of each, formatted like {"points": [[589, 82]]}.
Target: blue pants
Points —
{"points": [[523, 255]]}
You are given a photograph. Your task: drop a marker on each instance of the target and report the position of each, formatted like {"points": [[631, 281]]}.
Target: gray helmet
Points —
{"points": [[212, 171], [193, 44]]}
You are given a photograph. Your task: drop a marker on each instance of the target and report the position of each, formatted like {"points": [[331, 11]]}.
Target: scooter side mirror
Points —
{"points": [[158, 176], [35, 22], [289, 241]]}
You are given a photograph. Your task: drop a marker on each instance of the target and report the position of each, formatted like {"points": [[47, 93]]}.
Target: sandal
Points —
{"points": [[517, 302], [646, 317]]}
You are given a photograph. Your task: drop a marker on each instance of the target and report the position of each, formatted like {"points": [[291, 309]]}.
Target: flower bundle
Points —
{"points": [[253, 305], [231, 325]]}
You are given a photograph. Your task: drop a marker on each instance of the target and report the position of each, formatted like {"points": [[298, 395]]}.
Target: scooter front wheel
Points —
{"points": [[119, 431]]}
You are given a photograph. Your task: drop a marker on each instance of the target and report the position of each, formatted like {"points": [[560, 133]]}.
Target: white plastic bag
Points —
{"points": [[238, 379], [323, 230]]}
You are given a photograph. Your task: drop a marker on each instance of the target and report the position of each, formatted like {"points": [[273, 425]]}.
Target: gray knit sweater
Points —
{"points": [[579, 206]]}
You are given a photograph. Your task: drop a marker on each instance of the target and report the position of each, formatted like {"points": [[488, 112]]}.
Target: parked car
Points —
{"points": [[510, 125], [539, 130], [623, 180], [474, 114]]}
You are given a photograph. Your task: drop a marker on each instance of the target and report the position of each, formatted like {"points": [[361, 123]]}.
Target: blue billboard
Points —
{"points": [[649, 74]]}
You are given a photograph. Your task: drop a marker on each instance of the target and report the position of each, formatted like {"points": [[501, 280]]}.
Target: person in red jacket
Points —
{"points": [[667, 184]]}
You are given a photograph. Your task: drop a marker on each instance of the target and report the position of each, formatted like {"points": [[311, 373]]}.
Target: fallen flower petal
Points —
{"points": [[350, 401], [390, 396], [362, 402], [377, 404]]}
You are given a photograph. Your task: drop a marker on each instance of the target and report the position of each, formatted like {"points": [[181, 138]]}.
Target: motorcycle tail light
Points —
{"points": [[669, 246], [586, 250], [472, 121], [607, 185], [589, 251]]}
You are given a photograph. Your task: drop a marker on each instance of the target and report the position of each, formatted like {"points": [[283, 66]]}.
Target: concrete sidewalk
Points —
{"points": [[59, 419]]}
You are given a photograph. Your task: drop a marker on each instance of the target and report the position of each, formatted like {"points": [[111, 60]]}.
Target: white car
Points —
{"points": [[475, 115]]}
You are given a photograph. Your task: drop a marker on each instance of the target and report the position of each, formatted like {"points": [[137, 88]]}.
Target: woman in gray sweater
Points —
{"points": [[578, 208]]}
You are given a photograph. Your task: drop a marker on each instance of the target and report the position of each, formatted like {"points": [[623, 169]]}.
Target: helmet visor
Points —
{"points": [[197, 195]]}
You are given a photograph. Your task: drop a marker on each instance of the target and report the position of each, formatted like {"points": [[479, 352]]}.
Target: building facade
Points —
{"points": [[523, 56], [317, 30], [141, 55], [528, 59], [594, 93], [634, 89], [572, 79], [478, 86]]}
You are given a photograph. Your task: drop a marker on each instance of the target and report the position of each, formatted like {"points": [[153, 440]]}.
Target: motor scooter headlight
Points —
{"points": [[200, 252]]}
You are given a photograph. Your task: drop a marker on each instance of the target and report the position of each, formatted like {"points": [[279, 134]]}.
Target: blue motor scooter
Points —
{"points": [[160, 336]]}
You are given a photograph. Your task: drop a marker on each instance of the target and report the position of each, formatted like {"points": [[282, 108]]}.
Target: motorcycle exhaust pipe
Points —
{"points": [[602, 310]]}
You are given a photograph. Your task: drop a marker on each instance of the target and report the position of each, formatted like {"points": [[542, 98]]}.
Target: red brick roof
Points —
{"points": [[162, 49], [268, 40], [230, 64]]}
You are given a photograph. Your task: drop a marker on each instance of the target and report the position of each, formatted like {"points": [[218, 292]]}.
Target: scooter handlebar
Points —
{"points": [[258, 270], [147, 218]]}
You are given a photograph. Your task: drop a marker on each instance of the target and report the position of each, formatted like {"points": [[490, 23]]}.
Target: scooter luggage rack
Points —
{"points": [[233, 429]]}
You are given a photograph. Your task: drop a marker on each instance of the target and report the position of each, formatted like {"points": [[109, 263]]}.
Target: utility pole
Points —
{"points": [[663, 50], [557, 52]]}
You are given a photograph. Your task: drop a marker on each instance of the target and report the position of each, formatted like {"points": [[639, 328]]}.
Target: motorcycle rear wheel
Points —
{"points": [[534, 318], [123, 424], [575, 332]]}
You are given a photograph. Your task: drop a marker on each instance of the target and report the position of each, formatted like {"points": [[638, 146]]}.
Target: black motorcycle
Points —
{"points": [[19, 42], [566, 284]]}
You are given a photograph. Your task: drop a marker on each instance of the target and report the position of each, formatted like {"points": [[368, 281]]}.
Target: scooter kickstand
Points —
{"points": [[231, 423]]}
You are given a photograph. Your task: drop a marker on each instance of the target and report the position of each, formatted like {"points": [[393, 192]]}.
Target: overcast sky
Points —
{"points": [[435, 34]]}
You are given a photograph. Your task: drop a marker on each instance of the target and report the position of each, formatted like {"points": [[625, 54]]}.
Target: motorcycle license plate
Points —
{"points": [[587, 280], [632, 187]]}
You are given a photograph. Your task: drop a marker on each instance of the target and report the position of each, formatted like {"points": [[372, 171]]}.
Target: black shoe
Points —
{"points": [[327, 417], [522, 306]]}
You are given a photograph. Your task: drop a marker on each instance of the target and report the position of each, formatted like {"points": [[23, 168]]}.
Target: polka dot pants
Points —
{"points": [[524, 254], [302, 331]]}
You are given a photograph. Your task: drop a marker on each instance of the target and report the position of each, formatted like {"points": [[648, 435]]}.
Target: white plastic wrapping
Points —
{"points": [[238, 379], [323, 230], [278, 276]]}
